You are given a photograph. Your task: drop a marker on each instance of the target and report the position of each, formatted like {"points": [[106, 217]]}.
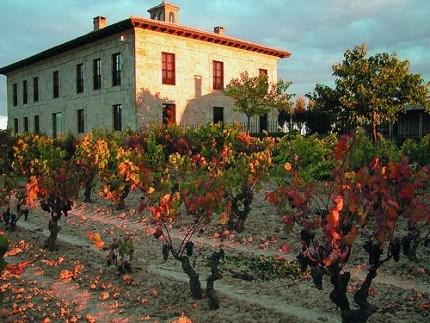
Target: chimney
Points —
{"points": [[219, 30], [99, 22]]}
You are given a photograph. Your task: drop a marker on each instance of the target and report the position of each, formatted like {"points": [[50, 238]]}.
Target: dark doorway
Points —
{"points": [[169, 114], [263, 123], [218, 115]]}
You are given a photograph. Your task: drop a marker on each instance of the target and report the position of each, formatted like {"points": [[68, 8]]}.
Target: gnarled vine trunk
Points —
{"points": [[53, 231], [241, 206], [195, 286], [214, 276]]}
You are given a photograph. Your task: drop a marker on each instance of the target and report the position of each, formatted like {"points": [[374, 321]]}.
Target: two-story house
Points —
{"points": [[133, 73]]}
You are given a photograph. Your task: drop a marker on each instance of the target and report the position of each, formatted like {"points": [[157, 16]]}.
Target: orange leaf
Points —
{"points": [[13, 252], [17, 269], [333, 217], [96, 239], [78, 268], [127, 279], [66, 275], [338, 201], [182, 319], [104, 296]]}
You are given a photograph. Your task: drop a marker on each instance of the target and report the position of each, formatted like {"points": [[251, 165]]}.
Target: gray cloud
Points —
{"points": [[317, 32]]}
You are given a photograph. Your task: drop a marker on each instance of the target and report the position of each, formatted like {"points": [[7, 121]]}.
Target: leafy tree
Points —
{"points": [[255, 96], [325, 113], [372, 90]]}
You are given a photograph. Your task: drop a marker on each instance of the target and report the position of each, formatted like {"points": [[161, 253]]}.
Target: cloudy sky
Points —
{"points": [[317, 32]]}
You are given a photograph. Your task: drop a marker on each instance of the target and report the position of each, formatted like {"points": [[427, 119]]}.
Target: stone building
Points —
{"points": [[133, 73]]}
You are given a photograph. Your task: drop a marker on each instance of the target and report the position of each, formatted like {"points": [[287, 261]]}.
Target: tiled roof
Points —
{"points": [[149, 24]]}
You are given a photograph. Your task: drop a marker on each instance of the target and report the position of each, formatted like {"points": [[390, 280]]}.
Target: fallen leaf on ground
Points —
{"points": [[96, 239], [16, 269], [13, 252], [182, 319], [66, 275], [104, 296], [154, 292]]}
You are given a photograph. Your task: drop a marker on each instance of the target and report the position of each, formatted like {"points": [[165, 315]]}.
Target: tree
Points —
{"points": [[255, 96], [325, 113], [373, 90]]}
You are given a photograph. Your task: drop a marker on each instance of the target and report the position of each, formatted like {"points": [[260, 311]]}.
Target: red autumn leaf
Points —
{"points": [[408, 191], [17, 269], [272, 198], [284, 248]]}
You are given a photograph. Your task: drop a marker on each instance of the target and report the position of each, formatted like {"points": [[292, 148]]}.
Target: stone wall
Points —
{"points": [[193, 59], [141, 93], [97, 104]]}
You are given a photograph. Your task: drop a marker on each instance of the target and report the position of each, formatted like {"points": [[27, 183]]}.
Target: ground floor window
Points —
{"points": [[81, 121], [117, 117], [169, 114], [16, 125], [57, 124], [25, 124], [36, 125]]}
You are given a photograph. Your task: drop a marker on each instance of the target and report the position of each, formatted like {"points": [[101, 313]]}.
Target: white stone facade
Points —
{"points": [[142, 92]]}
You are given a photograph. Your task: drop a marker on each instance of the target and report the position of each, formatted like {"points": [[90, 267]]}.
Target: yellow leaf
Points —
{"points": [[223, 219], [288, 167]]}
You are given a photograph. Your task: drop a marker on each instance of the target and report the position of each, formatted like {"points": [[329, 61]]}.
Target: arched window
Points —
{"points": [[172, 17]]}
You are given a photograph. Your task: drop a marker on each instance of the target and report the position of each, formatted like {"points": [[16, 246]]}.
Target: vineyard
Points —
{"points": [[212, 224]]}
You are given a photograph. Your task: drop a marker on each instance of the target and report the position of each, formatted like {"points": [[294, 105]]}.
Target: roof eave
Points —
{"points": [[72, 44]]}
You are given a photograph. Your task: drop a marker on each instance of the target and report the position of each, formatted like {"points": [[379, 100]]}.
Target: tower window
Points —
{"points": [[171, 17]]}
